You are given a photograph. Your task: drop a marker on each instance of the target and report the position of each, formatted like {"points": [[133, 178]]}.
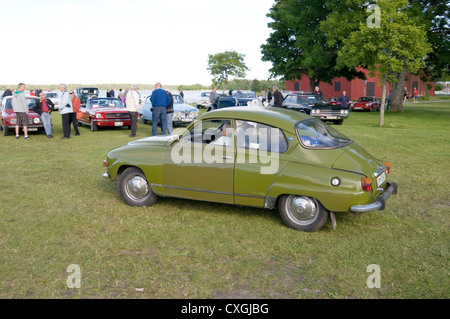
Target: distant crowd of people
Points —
{"points": [[70, 104]]}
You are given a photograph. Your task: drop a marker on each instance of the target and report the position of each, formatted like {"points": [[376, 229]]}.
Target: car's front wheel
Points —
{"points": [[134, 188], [5, 131], [93, 126], [302, 213]]}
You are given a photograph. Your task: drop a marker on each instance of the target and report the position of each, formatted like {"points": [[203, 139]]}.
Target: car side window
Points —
{"points": [[253, 135], [217, 132]]}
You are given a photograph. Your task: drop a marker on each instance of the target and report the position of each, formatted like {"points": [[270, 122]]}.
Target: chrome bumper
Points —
{"points": [[380, 203]]}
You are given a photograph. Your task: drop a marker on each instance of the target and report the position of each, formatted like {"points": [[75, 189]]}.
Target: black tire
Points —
{"points": [[209, 109], [143, 120], [5, 131], [93, 126], [135, 189], [302, 213], [338, 122]]}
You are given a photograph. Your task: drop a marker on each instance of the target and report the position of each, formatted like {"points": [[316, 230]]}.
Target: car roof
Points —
{"points": [[274, 116]]}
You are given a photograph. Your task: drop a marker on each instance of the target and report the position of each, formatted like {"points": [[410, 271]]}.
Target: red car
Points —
{"points": [[366, 103], [104, 112], [9, 117]]}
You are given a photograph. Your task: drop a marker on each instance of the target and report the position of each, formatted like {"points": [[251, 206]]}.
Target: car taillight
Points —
{"points": [[105, 163], [366, 184], [388, 166]]}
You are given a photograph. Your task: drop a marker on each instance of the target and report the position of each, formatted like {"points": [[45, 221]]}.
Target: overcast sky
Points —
{"points": [[118, 41]]}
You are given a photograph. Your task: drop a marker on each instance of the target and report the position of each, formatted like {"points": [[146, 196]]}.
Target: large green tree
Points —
{"points": [[299, 46], [225, 64], [396, 44]]}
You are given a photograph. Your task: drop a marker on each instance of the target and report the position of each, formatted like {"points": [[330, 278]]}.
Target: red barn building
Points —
{"points": [[357, 87]]}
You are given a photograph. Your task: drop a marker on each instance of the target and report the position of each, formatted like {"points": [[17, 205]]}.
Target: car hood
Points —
{"points": [[356, 159], [183, 108], [160, 140], [110, 110]]}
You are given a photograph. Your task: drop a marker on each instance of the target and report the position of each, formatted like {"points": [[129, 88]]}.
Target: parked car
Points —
{"points": [[9, 117], [104, 112], [236, 99], [54, 97], [316, 106], [204, 100], [182, 112], [85, 93], [366, 103], [267, 157]]}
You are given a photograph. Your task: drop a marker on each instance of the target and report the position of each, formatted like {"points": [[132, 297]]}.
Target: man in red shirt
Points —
{"points": [[416, 97], [44, 107]]}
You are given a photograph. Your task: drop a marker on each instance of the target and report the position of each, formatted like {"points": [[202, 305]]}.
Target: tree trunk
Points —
{"points": [[397, 91], [383, 101], [312, 84]]}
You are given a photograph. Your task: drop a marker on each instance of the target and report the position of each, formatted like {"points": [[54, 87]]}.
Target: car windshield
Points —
{"points": [[365, 99], [177, 99], [311, 98], [51, 95], [244, 95], [31, 104], [98, 103], [91, 91], [313, 133]]}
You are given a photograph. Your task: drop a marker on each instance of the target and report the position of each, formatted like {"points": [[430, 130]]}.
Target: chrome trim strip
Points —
{"points": [[380, 202], [197, 190]]}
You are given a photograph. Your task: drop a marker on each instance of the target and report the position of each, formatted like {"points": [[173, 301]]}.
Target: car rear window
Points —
{"points": [[313, 133]]}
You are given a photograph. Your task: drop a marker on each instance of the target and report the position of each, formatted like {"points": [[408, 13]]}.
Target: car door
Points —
{"points": [[258, 161], [200, 164]]}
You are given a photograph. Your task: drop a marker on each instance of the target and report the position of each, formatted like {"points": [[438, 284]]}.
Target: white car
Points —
{"points": [[204, 100], [54, 97]]}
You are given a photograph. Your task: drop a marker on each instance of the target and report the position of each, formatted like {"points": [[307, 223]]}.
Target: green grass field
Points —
{"points": [[57, 210]]}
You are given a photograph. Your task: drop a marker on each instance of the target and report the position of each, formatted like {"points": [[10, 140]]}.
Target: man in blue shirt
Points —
{"points": [[160, 101], [344, 100]]}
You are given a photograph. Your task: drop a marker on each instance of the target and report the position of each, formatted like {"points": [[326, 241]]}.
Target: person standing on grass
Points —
{"points": [[20, 107], [160, 101], [65, 109], [278, 97], [344, 100], [76, 104], [44, 107], [169, 114], [133, 105]]}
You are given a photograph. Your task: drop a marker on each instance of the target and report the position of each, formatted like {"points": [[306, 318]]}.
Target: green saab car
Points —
{"points": [[255, 156]]}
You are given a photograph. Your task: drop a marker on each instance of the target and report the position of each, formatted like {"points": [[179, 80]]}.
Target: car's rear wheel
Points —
{"points": [[302, 213], [135, 189]]}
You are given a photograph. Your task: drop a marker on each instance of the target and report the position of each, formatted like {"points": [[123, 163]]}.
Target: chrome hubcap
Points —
{"points": [[303, 210], [137, 187]]}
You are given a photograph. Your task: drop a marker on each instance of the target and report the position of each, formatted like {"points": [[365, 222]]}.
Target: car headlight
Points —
{"points": [[98, 115], [315, 111], [344, 112], [36, 120], [178, 115], [13, 121]]}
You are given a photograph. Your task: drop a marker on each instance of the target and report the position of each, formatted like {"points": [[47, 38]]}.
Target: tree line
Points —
{"points": [[325, 39]]}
